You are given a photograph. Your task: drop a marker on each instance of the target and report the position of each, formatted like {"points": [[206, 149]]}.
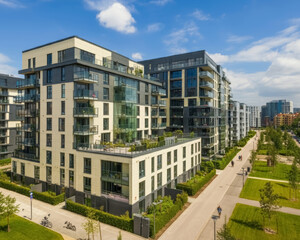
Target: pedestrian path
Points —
{"points": [[269, 179]]}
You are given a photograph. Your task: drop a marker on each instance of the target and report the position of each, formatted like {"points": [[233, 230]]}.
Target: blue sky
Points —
{"points": [[257, 42]]}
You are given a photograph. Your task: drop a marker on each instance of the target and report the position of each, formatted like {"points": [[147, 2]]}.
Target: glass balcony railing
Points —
{"points": [[85, 76], [3, 93], [27, 83], [3, 101], [158, 125], [206, 84], [206, 94], [115, 177], [85, 130], [27, 98], [205, 74], [85, 94], [85, 111]]}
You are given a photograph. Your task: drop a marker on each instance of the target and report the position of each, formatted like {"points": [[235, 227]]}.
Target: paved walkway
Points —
{"points": [[59, 216], [193, 220], [269, 179]]}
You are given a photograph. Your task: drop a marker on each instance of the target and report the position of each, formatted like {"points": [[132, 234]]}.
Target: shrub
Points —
{"points": [[4, 162], [196, 183], [120, 222], [221, 164]]}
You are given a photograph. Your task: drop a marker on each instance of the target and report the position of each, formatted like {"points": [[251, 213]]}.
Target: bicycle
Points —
{"points": [[70, 226], [45, 222]]}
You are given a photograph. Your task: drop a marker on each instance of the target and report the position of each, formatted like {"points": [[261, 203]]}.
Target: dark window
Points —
{"points": [[175, 171], [146, 111], [49, 92], [159, 180], [86, 56], [49, 174], [152, 183], [62, 177], [137, 123], [152, 164], [61, 55], [142, 189], [49, 124], [63, 74], [192, 102], [159, 162], [106, 78], [49, 157], [146, 123], [49, 108], [49, 140], [184, 166], [138, 111], [146, 87], [169, 158], [87, 165], [36, 172], [23, 169], [175, 155], [106, 93], [62, 159], [184, 152], [192, 148], [142, 168], [71, 160], [49, 76], [147, 99], [63, 91], [105, 123], [175, 74], [33, 62], [138, 98], [49, 59], [168, 174], [29, 63], [87, 184], [105, 109], [62, 139], [61, 124], [192, 162], [63, 107], [71, 178]]}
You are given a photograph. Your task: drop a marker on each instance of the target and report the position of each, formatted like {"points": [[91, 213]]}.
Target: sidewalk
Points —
{"points": [[269, 179], [59, 216], [193, 220]]}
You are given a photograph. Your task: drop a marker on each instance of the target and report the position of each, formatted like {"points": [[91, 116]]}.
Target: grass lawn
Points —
{"points": [[23, 229], [280, 171], [252, 186], [246, 223]]}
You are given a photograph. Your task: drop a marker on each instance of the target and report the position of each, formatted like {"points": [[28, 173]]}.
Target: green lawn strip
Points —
{"points": [[246, 223], [252, 186], [23, 229], [280, 171]]}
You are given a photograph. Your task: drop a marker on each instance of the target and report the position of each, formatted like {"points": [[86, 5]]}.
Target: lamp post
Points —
{"points": [[155, 203], [243, 176], [31, 197], [215, 218]]}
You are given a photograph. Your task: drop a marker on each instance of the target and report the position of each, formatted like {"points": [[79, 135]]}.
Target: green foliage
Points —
{"points": [[4, 162], [280, 171], [178, 133], [110, 219], [293, 177], [8, 208], [168, 134], [119, 236], [207, 166], [221, 164], [44, 196], [192, 134], [224, 233], [90, 225], [192, 186]]}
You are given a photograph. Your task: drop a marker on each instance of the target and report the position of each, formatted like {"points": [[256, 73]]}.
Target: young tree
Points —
{"points": [[224, 233], [9, 208], [90, 225], [268, 201], [293, 178], [252, 157], [119, 236], [1, 204]]}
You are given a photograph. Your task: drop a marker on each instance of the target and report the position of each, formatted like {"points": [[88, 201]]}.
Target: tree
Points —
{"points": [[1, 204], [268, 201], [293, 178], [119, 236], [90, 226], [224, 233], [272, 158], [253, 157], [9, 208]]}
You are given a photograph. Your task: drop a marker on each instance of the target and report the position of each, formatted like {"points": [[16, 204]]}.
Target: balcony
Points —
{"points": [[158, 91], [30, 142], [24, 155], [4, 94], [4, 150], [115, 177], [4, 101], [158, 126], [206, 85], [86, 77], [85, 94], [85, 112], [3, 125], [3, 109], [160, 103], [206, 75], [27, 98], [3, 142], [209, 145], [28, 83], [27, 113], [85, 130], [206, 94]]}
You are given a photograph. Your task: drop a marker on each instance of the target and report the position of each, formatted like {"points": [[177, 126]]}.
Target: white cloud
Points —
{"points": [[155, 27], [198, 14], [114, 15], [137, 56], [238, 39], [11, 3], [5, 66], [160, 2]]}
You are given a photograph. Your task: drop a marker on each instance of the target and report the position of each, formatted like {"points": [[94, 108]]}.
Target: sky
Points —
{"points": [[257, 42]]}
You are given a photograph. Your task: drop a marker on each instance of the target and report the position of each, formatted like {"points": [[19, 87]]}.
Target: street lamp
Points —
{"points": [[155, 203], [31, 197], [215, 218], [243, 176]]}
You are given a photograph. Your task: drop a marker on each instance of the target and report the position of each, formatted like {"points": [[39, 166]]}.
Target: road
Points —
{"points": [[194, 219]]}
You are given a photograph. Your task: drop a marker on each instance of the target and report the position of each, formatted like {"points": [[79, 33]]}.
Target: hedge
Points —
{"points": [[44, 196], [110, 219], [192, 186], [221, 164], [4, 162]]}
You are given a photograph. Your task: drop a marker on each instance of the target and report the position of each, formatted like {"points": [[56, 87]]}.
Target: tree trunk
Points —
{"points": [[100, 231], [8, 229]]}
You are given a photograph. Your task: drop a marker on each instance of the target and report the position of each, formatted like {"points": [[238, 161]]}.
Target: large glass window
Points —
{"points": [[142, 169], [159, 180], [106, 93], [87, 165], [105, 124], [142, 189], [86, 56], [62, 159], [63, 91], [49, 140], [49, 124], [49, 59], [71, 160], [49, 76], [159, 162], [49, 92], [87, 184], [105, 109], [169, 158], [106, 78], [49, 157], [49, 108], [175, 74]]}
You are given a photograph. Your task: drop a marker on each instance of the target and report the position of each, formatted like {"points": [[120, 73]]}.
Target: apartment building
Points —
{"points": [[198, 94], [255, 116], [78, 97], [9, 118], [285, 119]]}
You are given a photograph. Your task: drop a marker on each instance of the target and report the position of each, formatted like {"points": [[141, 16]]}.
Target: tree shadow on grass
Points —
{"points": [[251, 224], [3, 228], [282, 185]]}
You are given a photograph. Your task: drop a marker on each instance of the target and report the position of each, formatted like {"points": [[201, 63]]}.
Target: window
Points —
{"points": [[184, 166], [146, 99], [138, 98], [146, 123], [49, 108], [184, 152], [106, 78], [159, 180], [105, 93], [62, 159], [49, 76], [62, 141], [105, 124], [152, 183], [61, 124], [138, 111], [175, 74], [49, 59], [87, 56], [63, 74], [49, 140], [49, 92], [71, 178], [168, 174], [87, 184], [105, 109], [49, 157], [49, 174], [87, 165], [49, 124], [142, 169], [138, 86], [142, 189], [23, 169], [192, 149], [36, 172], [63, 91], [29, 63], [146, 87], [175, 155], [137, 123], [159, 162], [168, 158], [14, 166], [152, 164], [146, 111], [63, 107], [175, 171], [195, 147], [192, 162], [199, 146], [33, 62], [61, 55], [71, 160], [62, 177]]}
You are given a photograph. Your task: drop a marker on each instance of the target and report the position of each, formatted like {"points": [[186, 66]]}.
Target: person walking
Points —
{"points": [[219, 209], [232, 163]]}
